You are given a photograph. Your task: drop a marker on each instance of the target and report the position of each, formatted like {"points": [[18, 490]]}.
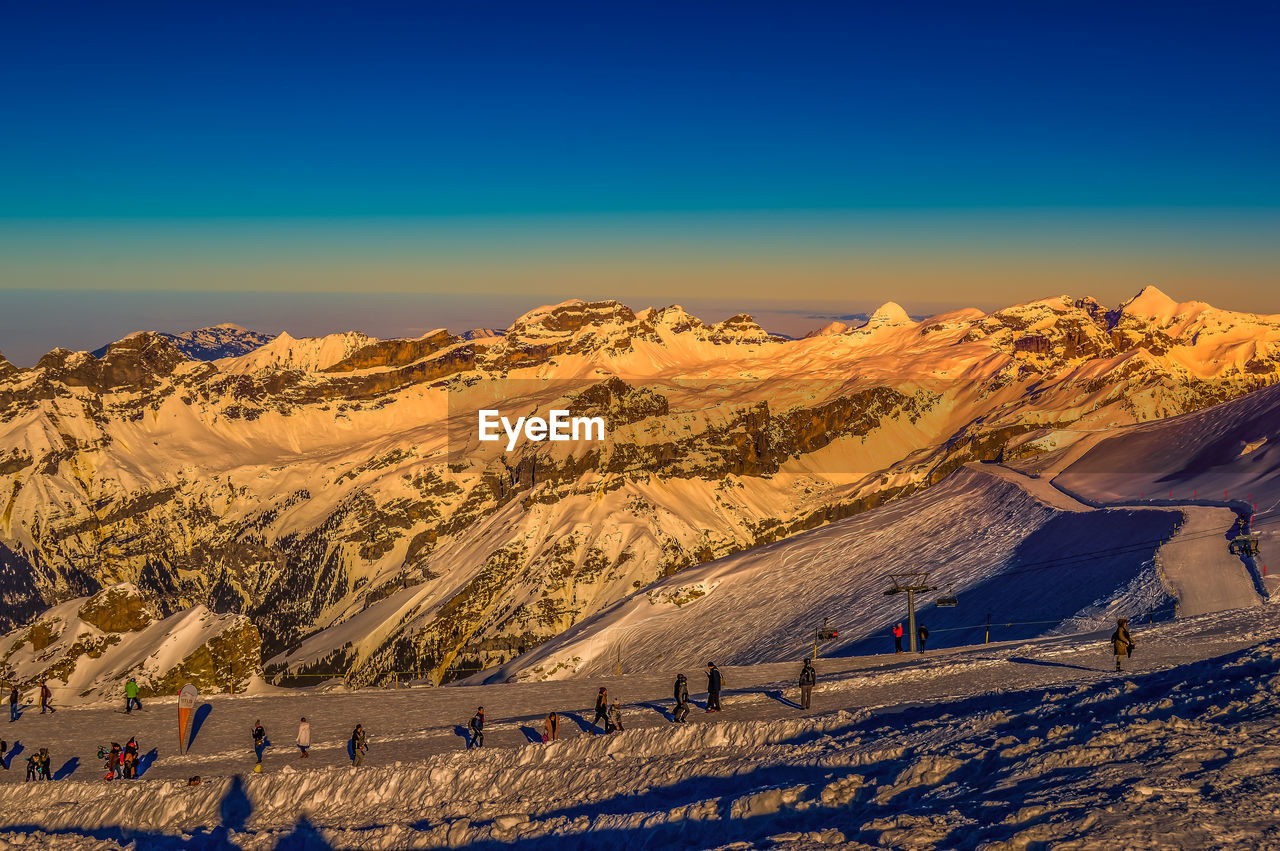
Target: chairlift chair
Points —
{"points": [[947, 600]]}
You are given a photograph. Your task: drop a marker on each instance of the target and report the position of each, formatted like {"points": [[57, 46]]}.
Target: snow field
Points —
{"points": [[999, 746]]}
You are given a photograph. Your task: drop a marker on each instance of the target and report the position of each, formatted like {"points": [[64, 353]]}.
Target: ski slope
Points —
{"points": [[1033, 563], [1003, 745]]}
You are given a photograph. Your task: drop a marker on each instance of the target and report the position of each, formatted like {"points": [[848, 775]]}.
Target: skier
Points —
{"points": [[808, 676], [32, 769], [615, 718], [714, 682], [897, 639], [922, 634], [45, 697], [259, 744], [682, 699], [129, 759], [1121, 641], [602, 709], [477, 729], [304, 738], [359, 744], [131, 696], [14, 700], [551, 728]]}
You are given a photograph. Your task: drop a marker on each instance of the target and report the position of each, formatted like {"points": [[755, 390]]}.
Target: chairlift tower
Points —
{"points": [[910, 584]]}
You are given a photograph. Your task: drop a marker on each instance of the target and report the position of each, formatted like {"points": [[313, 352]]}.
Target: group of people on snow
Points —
{"points": [[922, 637]]}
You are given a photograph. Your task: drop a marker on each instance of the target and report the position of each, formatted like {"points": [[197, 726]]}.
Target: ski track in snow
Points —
{"points": [[996, 746]]}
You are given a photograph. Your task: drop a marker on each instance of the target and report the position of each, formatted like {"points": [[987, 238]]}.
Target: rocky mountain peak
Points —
{"points": [[571, 316]]}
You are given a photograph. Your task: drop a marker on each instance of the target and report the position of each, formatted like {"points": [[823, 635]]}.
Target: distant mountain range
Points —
{"points": [[215, 341], [332, 489]]}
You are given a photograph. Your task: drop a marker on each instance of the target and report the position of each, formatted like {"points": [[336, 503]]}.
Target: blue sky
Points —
{"points": [[644, 150]]}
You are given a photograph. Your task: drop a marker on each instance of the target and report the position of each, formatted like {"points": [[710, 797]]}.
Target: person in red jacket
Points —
{"points": [[897, 639]]}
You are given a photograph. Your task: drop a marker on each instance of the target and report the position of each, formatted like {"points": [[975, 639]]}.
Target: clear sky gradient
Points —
{"points": [[839, 152]]}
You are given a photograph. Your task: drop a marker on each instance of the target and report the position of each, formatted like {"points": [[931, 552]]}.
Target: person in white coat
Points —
{"points": [[304, 737]]}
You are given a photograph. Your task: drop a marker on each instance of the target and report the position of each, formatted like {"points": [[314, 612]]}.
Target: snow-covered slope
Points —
{"points": [[86, 648], [1011, 745], [333, 489]]}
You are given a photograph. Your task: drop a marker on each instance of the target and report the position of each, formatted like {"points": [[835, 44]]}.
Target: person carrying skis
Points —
{"points": [[46, 697], [259, 744], [129, 759], [551, 728], [14, 700], [714, 682], [602, 710], [808, 676], [476, 724], [897, 639], [359, 744], [682, 699], [1121, 641], [304, 737], [131, 696], [922, 635]]}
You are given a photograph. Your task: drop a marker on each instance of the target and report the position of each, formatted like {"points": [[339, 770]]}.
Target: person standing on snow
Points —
{"points": [[615, 718], [602, 709], [259, 744], [1121, 641], [682, 699], [14, 700], [45, 697], [808, 676], [714, 682], [129, 759], [304, 738], [551, 728], [922, 635], [131, 696], [476, 724], [359, 744], [897, 639]]}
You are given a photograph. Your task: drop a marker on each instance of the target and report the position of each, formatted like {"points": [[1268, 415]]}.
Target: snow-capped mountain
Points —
{"points": [[215, 341], [334, 489], [89, 646]]}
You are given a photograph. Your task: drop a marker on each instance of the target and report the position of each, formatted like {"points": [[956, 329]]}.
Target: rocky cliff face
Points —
{"points": [[88, 647], [334, 491]]}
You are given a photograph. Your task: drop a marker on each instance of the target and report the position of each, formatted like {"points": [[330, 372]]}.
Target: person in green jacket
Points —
{"points": [[131, 696]]}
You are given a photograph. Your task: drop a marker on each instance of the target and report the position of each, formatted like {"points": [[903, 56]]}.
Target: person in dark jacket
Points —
{"points": [[46, 698], [808, 676], [897, 639], [602, 710], [44, 764], [477, 729], [129, 759], [33, 767], [1122, 642], [682, 699], [259, 744], [359, 744], [922, 635], [15, 700], [4, 749], [714, 682]]}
